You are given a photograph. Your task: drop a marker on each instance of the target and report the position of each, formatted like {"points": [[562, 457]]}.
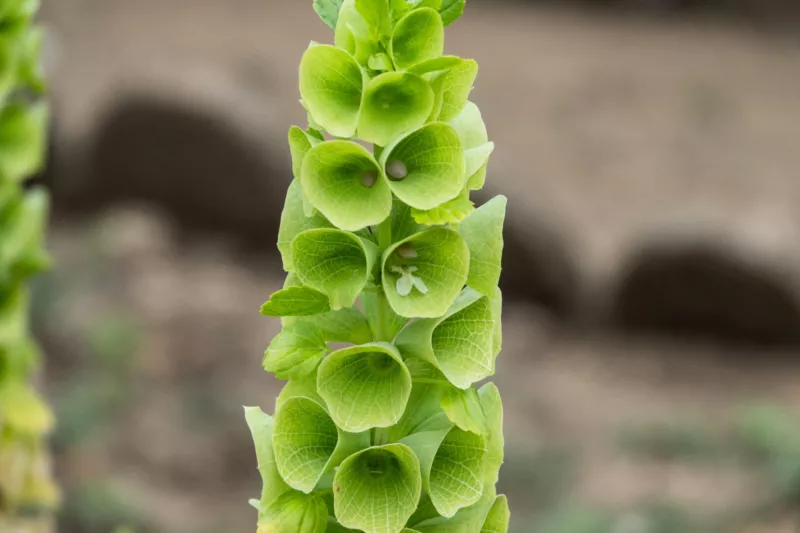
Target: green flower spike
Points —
{"points": [[28, 495], [385, 253]]}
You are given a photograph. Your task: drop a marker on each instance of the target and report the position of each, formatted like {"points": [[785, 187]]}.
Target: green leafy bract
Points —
{"points": [[262, 427], [355, 35], [295, 512], [296, 301], [426, 167], [417, 37], [468, 520], [451, 212], [483, 232], [22, 139], [328, 11], [296, 351], [451, 10], [331, 84], [459, 343], [452, 79], [365, 386], [498, 517], [477, 148], [464, 409], [492, 407], [346, 184], [300, 143], [335, 263], [378, 489], [308, 444], [439, 258], [394, 103], [294, 221], [377, 15]]}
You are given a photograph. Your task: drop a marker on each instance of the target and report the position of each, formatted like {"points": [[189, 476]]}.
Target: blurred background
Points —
{"points": [[651, 153]]}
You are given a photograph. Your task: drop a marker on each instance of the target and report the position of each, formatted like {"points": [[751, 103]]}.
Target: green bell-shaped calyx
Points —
{"points": [[423, 274], [308, 444], [378, 489], [426, 167], [483, 232], [296, 351], [452, 462], [484, 516], [335, 263], [417, 37], [295, 512], [459, 343], [262, 428], [365, 386], [346, 184], [394, 103], [331, 85]]}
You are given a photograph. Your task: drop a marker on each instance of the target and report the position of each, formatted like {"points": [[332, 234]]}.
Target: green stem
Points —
{"points": [[385, 234], [380, 437]]}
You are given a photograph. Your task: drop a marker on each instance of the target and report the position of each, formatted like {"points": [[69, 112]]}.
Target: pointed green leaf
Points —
{"points": [[22, 139], [331, 84], [451, 212], [452, 79], [295, 512], [296, 301], [426, 167], [307, 443], [439, 258], [296, 351], [364, 386], [468, 520], [417, 37], [394, 103], [492, 407], [377, 490], [498, 517], [294, 221], [343, 181], [401, 7], [300, 143], [262, 427], [335, 263], [483, 231], [451, 10], [328, 11], [377, 15], [464, 409], [477, 148], [459, 343]]}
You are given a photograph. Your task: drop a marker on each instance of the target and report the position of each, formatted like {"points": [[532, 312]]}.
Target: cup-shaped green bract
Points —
{"points": [[332, 84], [417, 37], [477, 148], [394, 103], [459, 343], [335, 263], [492, 407], [354, 34], [296, 351], [295, 512], [378, 489], [484, 516], [346, 184], [364, 386], [426, 167], [456, 475], [452, 79], [437, 261], [294, 221], [308, 444]]}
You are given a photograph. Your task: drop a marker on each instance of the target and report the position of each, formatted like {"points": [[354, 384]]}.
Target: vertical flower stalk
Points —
{"points": [[391, 307], [27, 493]]}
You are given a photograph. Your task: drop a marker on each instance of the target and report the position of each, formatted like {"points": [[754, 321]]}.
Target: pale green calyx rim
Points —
{"points": [[391, 311]]}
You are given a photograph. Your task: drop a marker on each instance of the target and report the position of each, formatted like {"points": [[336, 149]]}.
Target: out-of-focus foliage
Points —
{"points": [[27, 493]]}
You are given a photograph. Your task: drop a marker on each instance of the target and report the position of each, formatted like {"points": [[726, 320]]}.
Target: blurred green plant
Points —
{"points": [[671, 441], [27, 493], [386, 253]]}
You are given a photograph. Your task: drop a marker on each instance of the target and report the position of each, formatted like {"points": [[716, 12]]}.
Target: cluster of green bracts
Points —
{"points": [[391, 309], [27, 493]]}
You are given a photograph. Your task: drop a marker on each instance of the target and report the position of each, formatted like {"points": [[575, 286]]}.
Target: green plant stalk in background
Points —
{"points": [[391, 307], [27, 493]]}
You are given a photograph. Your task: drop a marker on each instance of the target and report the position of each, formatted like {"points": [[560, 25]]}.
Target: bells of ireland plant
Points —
{"points": [[391, 310], [27, 493]]}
